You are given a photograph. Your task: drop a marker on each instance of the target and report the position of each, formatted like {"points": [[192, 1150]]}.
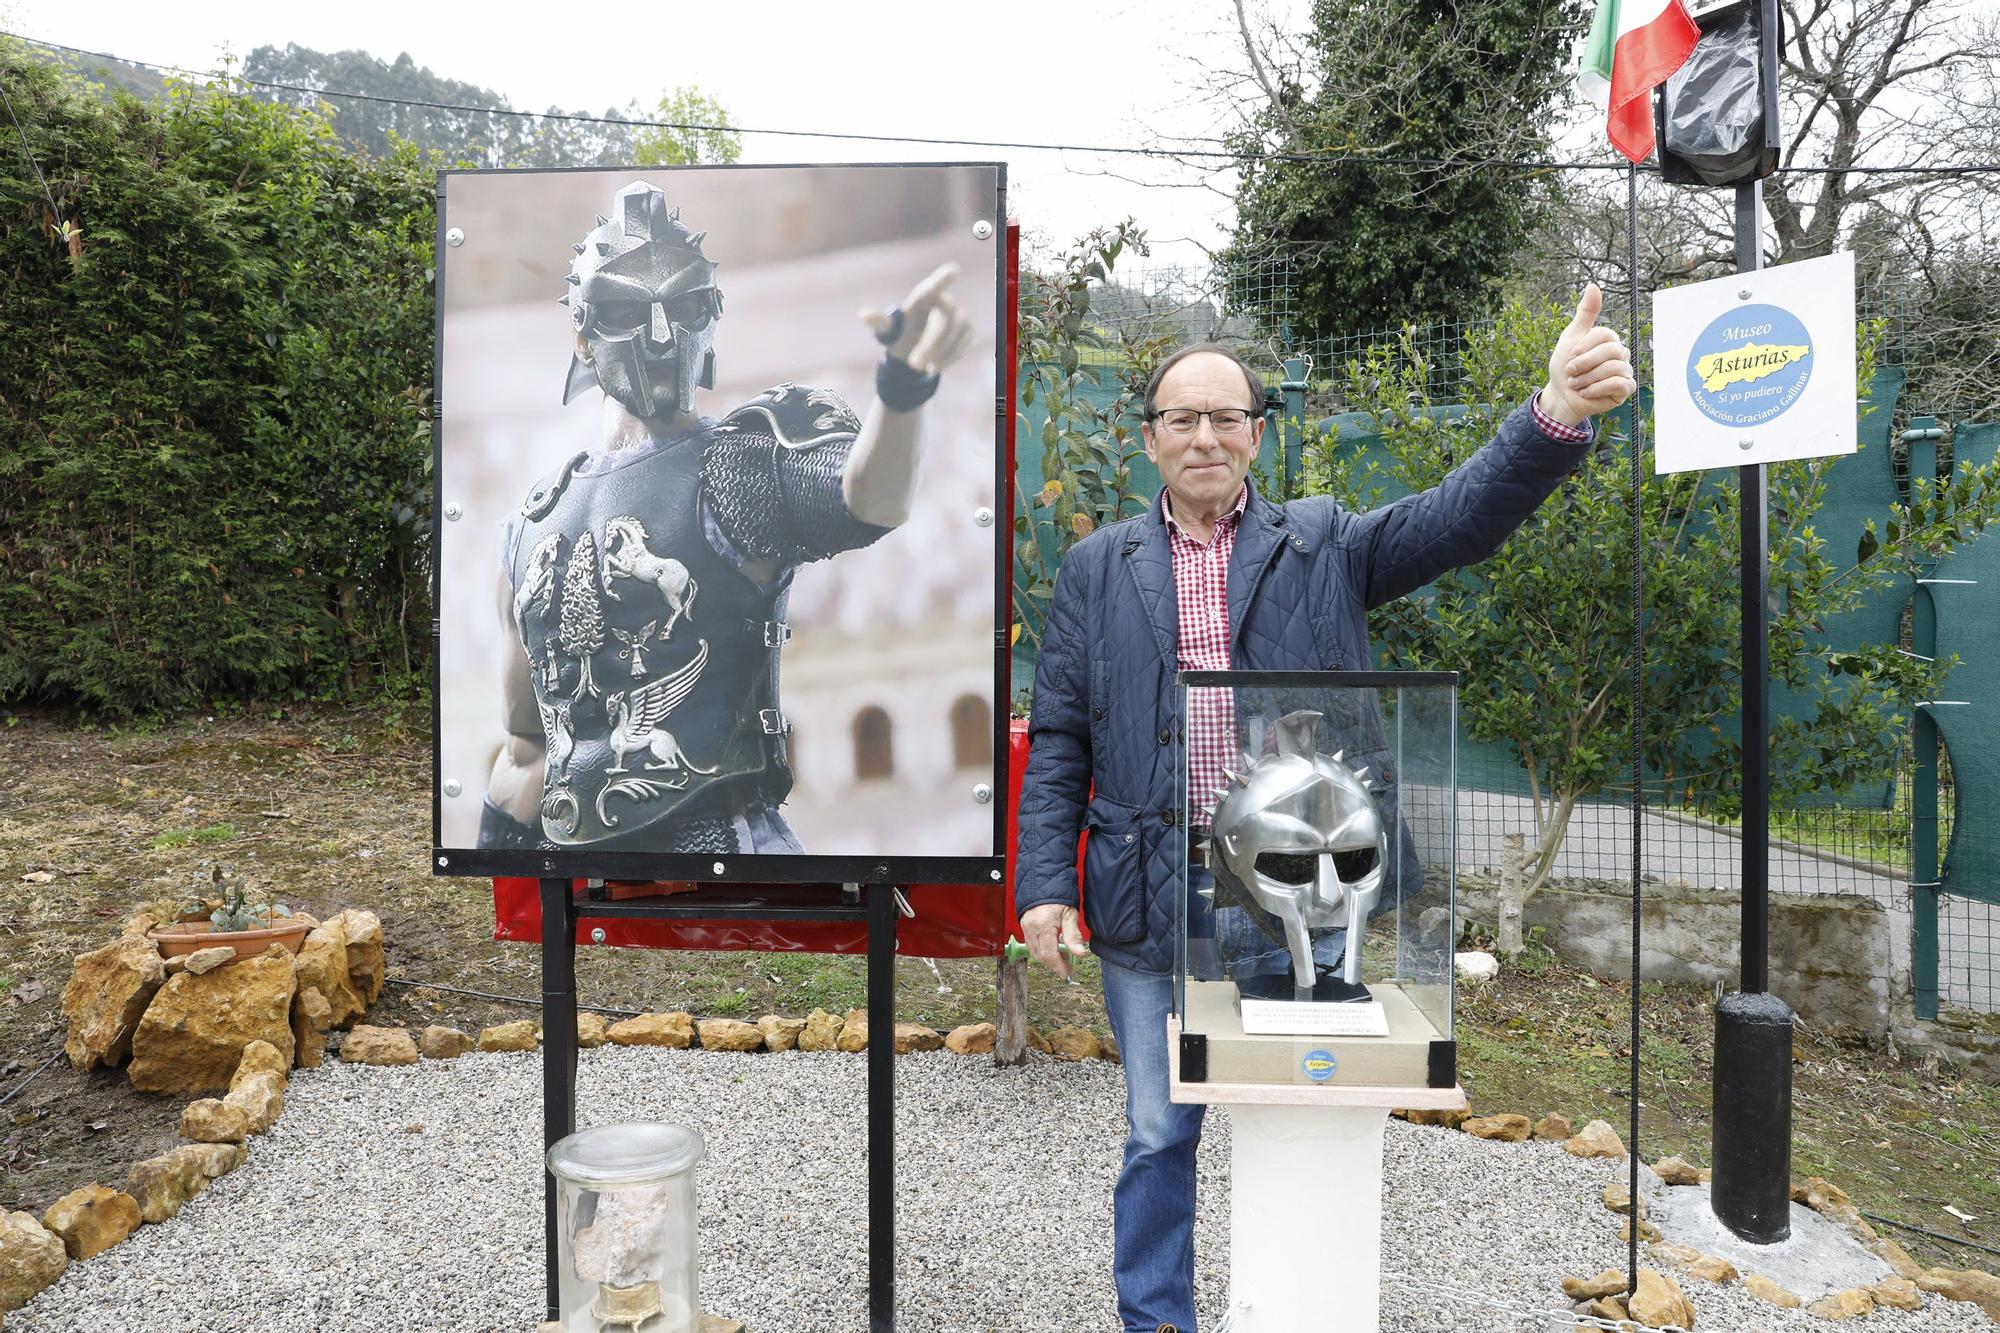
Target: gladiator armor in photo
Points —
{"points": [[653, 655]]}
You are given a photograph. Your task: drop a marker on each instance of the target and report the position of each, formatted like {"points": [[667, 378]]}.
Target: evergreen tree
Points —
{"points": [[1340, 248]]}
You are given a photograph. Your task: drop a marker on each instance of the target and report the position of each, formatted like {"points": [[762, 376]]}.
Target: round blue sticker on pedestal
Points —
{"points": [[1318, 1065], [1749, 365]]}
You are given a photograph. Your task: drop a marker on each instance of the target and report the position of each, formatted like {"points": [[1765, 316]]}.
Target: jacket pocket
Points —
{"points": [[1114, 872]]}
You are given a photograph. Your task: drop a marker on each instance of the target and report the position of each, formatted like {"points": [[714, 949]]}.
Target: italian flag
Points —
{"points": [[1634, 46]]}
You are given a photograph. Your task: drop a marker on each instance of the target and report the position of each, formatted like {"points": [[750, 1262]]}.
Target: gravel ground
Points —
{"points": [[410, 1199]]}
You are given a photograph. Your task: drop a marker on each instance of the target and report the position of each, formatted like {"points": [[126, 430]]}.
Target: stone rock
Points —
{"points": [[1853, 1303], [260, 1096], [1607, 1307], [1677, 1172], [322, 964], [370, 1045], [363, 930], [972, 1039], [311, 1017], [1553, 1126], [853, 1032], [107, 991], [1770, 1292], [1618, 1198], [592, 1030], [1674, 1253], [1608, 1283], [1898, 1293], [1107, 1049], [780, 1034], [1712, 1268], [443, 1043], [139, 923], [1821, 1195], [194, 1032], [1647, 1231], [821, 1032], [259, 1057], [675, 1030], [31, 1257], [1595, 1139], [1476, 966], [1507, 1127], [1964, 1284], [519, 1035], [1660, 1300], [212, 1120], [1068, 1043], [1037, 1042], [162, 1184], [729, 1034], [1448, 1119], [916, 1037], [92, 1219], [203, 961], [626, 1240], [1899, 1259]]}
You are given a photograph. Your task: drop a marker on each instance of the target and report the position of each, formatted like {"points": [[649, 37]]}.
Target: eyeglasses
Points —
{"points": [[1184, 421]]}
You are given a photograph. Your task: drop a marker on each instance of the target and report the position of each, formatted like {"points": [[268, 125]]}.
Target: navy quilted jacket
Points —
{"points": [[1105, 735]]}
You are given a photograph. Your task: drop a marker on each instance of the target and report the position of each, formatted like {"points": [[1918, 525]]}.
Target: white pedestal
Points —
{"points": [[1305, 1234]]}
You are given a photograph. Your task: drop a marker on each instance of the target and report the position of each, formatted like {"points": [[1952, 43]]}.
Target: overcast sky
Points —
{"points": [[1116, 72]]}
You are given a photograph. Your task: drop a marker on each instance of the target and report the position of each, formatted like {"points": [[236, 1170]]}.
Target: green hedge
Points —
{"points": [[215, 362]]}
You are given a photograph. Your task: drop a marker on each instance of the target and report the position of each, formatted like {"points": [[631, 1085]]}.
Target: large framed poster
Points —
{"points": [[721, 551]]}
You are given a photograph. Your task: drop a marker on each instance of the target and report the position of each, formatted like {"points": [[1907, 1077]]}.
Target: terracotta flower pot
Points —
{"points": [[187, 936]]}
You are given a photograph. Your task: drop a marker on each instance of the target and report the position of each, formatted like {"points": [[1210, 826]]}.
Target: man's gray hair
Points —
{"points": [[1250, 377]]}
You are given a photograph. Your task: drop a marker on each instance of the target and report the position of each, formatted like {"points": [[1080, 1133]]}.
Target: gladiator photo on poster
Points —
{"points": [[717, 551]]}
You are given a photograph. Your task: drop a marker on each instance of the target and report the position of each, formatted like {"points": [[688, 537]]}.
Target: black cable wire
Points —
{"points": [[1934, 1235], [22, 1086], [1218, 155], [1638, 695], [530, 1001], [25, 152]]}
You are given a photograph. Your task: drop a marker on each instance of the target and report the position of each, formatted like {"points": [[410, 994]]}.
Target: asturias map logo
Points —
{"points": [[1749, 365]]}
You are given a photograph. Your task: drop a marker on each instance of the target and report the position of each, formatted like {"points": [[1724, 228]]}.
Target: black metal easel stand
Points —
{"points": [[874, 903]]}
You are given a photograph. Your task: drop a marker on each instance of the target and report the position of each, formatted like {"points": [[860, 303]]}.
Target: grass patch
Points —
{"points": [[193, 837]]}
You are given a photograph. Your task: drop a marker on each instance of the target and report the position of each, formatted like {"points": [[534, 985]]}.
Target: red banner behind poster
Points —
{"points": [[951, 921]]}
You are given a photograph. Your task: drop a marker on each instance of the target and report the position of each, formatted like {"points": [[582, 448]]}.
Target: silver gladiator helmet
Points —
{"points": [[643, 299], [1299, 831]]}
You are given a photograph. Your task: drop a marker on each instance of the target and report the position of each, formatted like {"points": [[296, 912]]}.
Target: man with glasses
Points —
{"points": [[1214, 577]]}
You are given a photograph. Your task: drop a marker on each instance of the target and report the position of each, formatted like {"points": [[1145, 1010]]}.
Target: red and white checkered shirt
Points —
{"points": [[1201, 591]]}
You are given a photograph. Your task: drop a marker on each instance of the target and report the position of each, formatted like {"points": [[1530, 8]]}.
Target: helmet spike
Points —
{"points": [[563, 299], [577, 248], [603, 221], [1340, 754], [573, 279], [696, 239]]}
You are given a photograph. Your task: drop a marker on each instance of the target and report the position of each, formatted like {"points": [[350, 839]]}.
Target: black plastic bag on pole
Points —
{"points": [[1716, 118]]}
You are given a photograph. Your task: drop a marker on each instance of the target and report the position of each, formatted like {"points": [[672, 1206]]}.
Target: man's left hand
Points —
{"points": [[1590, 370]]}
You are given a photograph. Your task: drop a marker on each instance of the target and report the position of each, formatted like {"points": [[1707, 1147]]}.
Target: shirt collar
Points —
{"points": [[1235, 510]]}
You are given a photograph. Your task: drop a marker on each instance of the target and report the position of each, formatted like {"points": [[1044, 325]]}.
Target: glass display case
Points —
{"points": [[625, 1209], [1319, 915]]}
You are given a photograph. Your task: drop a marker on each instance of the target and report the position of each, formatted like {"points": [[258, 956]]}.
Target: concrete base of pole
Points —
{"points": [[1305, 1233], [1752, 1116]]}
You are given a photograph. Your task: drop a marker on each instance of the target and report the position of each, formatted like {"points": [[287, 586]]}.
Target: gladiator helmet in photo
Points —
{"points": [[643, 301]]}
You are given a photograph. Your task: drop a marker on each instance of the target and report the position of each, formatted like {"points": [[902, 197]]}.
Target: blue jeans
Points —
{"points": [[1153, 1203]]}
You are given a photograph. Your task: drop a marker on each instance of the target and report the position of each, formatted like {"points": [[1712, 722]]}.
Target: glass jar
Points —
{"points": [[625, 1224]]}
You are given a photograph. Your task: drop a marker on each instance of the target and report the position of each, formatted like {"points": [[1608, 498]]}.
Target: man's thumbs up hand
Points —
{"points": [[1590, 370]]}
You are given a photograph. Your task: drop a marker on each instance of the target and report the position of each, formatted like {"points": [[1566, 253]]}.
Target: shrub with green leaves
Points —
{"points": [[214, 382], [1543, 630]]}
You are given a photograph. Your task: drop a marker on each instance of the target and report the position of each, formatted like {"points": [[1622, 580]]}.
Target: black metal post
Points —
{"points": [[881, 1108], [1752, 1096], [558, 1056]]}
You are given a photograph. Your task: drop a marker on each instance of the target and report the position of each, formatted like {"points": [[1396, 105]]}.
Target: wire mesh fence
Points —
{"points": [[1856, 843]]}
